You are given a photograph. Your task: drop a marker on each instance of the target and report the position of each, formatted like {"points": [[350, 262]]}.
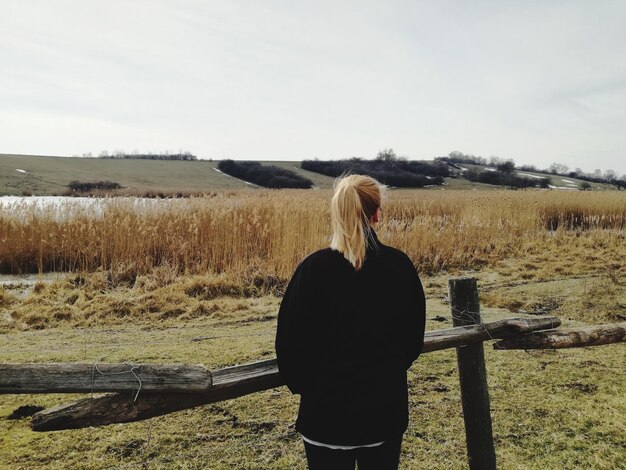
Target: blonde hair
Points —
{"points": [[354, 203]]}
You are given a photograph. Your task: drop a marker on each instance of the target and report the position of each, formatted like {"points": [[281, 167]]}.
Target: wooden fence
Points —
{"points": [[147, 390]]}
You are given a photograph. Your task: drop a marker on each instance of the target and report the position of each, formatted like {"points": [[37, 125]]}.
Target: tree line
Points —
{"points": [[386, 168], [185, 156], [557, 169], [269, 176]]}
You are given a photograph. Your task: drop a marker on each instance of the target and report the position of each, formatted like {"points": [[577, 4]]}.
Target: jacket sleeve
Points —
{"points": [[290, 347], [415, 316]]}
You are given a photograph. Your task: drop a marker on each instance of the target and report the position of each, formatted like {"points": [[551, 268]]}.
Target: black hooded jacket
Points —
{"points": [[345, 340]]}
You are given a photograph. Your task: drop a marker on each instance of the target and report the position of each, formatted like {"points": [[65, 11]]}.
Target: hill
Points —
{"points": [[557, 181], [45, 175], [41, 175]]}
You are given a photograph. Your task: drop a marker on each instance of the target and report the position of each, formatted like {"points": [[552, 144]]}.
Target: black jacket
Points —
{"points": [[345, 340]]}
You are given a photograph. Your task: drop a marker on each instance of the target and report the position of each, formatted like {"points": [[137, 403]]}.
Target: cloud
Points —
{"points": [[538, 82]]}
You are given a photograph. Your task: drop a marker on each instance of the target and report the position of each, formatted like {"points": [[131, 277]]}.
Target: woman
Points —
{"points": [[349, 326]]}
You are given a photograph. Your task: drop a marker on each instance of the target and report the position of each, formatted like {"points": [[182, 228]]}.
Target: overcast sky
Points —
{"points": [[536, 81]]}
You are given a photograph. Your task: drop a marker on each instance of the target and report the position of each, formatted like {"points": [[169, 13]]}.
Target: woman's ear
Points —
{"points": [[376, 216]]}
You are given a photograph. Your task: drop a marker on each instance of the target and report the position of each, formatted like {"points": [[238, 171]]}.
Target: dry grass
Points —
{"points": [[591, 299], [150, 280], [102, 298], [267, 232], [129, 254], [551, 409]]}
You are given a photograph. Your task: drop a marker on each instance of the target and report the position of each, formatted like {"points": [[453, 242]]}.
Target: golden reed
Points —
{"points": [[269, 231]]}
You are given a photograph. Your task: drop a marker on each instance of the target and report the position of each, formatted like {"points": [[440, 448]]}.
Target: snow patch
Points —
{"points": [[532, 176], [568, 181], [491, 169], [238, 179], [562, 187], [21, 171]]}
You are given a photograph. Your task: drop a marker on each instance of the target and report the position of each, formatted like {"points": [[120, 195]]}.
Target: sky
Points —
{"points": [[535, 81]]}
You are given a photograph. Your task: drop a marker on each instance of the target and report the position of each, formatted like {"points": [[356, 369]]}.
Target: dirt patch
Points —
{"points": [[25, 411]]}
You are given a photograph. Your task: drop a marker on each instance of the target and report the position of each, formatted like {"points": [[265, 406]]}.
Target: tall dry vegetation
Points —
{"points": [[265, 233]]}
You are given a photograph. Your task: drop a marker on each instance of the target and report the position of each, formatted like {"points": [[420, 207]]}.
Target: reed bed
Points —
{"points": [[262, 234]]}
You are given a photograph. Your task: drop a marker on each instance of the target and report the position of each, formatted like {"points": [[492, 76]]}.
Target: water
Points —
{"points": [[27, 280], [44, 201], [63, 207]]}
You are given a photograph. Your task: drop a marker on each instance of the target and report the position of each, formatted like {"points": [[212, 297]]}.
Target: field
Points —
{"points": [[50, 175], [43, 175], [146, 283]]}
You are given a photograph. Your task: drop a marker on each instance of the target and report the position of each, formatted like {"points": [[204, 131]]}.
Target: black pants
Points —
{"points": [[383, 457]]}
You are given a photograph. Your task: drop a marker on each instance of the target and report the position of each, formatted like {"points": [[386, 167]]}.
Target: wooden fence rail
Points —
{"points": [[85, 378], [567, 338], [102, 377], [237, 381]]}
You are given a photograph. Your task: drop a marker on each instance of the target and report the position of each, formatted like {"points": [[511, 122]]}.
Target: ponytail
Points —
{"points": [[354, 203]]}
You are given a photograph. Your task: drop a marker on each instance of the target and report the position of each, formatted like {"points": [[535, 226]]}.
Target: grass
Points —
{"points": [[264, 233], [222, 264], [550, 409], [51, 175], [166, 299]]}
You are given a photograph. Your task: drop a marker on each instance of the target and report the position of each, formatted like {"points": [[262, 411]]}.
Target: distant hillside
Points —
{"points": [[44, 175], [500, 171], [40, 175], [556, 181]]}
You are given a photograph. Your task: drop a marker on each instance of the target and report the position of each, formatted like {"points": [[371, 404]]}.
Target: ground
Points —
{"points": [[550, 409]]}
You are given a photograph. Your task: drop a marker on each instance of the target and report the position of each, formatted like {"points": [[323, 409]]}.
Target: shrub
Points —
{"points": [[460, 157], [88, 186], [269, 176], [399, 173]]}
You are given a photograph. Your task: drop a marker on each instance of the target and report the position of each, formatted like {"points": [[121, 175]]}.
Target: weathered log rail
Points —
{"points": [[102, 377], [567, 338], [231, 382], [85, 378], [228, 383]]}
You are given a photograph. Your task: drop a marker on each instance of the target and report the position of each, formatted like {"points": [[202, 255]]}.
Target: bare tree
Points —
{"points": [[610, 176], [506, 166], [386, 155], [558, 168]]}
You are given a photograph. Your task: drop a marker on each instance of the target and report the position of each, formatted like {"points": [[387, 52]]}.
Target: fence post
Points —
{"points": [[473, 377]]}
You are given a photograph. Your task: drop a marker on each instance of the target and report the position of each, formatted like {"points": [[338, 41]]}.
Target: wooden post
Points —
{"points": [[473, 377]]}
